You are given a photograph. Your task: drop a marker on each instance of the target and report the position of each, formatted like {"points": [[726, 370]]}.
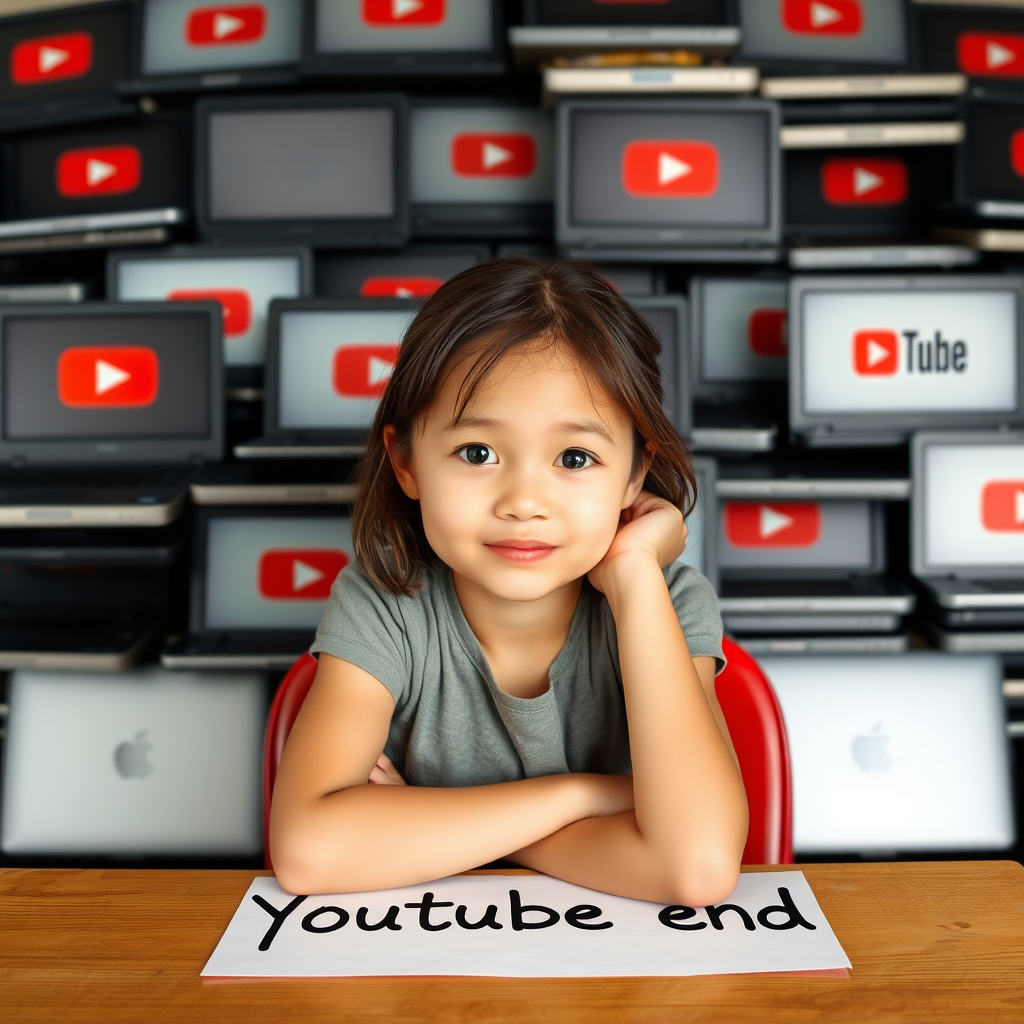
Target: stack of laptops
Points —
{"points": [[809, 577], [896, 755], [140, 763], [968, 539], [414, 273], [261, 578]]}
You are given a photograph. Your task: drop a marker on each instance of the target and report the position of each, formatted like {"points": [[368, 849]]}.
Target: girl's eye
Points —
{"points": [[575, 458], [478, 455]]}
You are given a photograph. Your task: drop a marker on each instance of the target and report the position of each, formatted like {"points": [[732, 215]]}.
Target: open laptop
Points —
{"points": [[481, 168], [669, 316], [348, 190], [61, 66], [738, 361], [373, 38], [873, 359], [260, 583], [106, 411], [142, 762], [243, 281], [701, 547], [989, 179], [668, 180], [188, 45], [328, 362], [985, 42], [414, 273], [122, 183], [895, 755]]}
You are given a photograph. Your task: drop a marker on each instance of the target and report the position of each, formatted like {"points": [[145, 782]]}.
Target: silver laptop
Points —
{"points": [[896, 754], [142, 762], [701, 550]]}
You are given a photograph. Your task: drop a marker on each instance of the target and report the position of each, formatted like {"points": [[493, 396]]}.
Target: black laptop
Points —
{"points": [[413, 273]]}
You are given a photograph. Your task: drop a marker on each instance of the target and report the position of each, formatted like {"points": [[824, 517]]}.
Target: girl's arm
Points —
{"points": [[333, 831]]}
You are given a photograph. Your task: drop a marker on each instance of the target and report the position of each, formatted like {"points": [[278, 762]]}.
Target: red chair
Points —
{"points": [[751, 712]]}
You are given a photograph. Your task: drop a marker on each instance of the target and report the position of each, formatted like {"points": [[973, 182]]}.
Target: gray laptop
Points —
{"points": [[896, 754], [141, 762], [701, 550]]}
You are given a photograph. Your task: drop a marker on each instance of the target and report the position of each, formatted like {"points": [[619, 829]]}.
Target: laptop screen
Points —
{"points": [[272, 572], [983, 43], [626, 12], [742, 329], [181, 36], [64, 54], [116, 377], [992, 162], [402, 26], [700, 537], [398, 276], [855, 32], [333, 365], [970, 500], [243, 285], [811, 535], [896, 753], [667, 316]]}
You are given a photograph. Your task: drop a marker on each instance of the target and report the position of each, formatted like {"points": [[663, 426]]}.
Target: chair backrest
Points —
{"points": [[751, 712]]}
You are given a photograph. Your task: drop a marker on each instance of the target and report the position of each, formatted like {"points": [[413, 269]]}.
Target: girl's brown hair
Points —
{"points": [[481, 315]]}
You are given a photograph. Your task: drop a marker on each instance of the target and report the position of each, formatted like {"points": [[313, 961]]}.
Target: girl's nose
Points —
{"points": [[524, 496]]}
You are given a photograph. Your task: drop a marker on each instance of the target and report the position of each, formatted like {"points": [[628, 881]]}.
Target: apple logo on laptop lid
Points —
{"points": [[131, 758], [870, 751]]}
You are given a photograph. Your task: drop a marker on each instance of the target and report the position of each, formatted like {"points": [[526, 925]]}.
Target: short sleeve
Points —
{"points": [[364, 626], [696, 606]]}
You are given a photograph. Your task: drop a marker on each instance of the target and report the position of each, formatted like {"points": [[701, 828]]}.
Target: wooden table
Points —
{"points": [[929, 942]]}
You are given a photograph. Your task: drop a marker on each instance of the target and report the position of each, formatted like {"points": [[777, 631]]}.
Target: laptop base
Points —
{"points": [[814, 624], [268, 651], [948, 592], [80, 645], [679, 254], [272, 483], [858, 257], [891, 644], [870, 595], [975, 641]]}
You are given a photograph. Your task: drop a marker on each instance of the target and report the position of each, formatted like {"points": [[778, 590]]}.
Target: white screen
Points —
{"points": [[323, 387], [387, 26], [272, 573], [835, 328], [735, 330], [696, 537], [971, 512], [258, 278]]}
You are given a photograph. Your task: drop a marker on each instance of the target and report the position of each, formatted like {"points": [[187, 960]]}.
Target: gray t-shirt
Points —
{"points": [[452, 725]]}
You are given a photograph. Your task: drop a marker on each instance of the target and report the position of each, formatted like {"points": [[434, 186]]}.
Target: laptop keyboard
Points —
{"points": [[1001, 586]]}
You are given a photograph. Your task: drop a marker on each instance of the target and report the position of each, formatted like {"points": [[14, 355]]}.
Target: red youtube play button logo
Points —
{"points": [[98, 171], [226, 26], [235, 304], [399, 287], [51, 58], [363, 371], [877, 181], [766, 332], [750, 524], [1017, 152], [1002, 506], [396, 13], [494, 154], [670, 169], [299, 574], [823, 17], [991, 54], [108, 376], [876, 353]]}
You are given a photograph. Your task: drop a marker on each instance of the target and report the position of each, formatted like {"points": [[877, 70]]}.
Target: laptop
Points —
{"points": [[414, 273], [328, 362], [893, 755], [142, 762], [701, 549], [322, 170], [122, 183], [643, 80], [242, 281], [68, 291], [61, 66], [106, 411], [668, 180], [856, 87], [669, 316], [191, 45], [988, 178], [260, 583], [375, 38], [873, 359], [985, 42], [481, 168], [625, 278], [739, 366]]}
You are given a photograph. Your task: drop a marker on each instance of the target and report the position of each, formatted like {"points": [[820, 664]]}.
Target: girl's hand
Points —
{"points": [[650, 526], [384, 773]]}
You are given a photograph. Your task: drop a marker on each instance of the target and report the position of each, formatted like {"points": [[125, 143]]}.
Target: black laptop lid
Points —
{"points": [[109, 383], [624, 12], [986, 43], [137, 165], [991, 160], [413, 273]]}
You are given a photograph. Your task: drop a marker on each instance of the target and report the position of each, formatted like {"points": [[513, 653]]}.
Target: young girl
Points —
{"points": [[517, 666]]}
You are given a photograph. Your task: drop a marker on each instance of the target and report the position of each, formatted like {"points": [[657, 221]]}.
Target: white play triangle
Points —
{"points": [[823, 15], [51, 57], [380, 370], [876, 353], [495, 155], [404, 293], [304, 575], [403, 8], [772, 522], [108, 376], [671, 168], [97, 171], [225, 25], [865, 181], [1018, 507], [997, 56]]}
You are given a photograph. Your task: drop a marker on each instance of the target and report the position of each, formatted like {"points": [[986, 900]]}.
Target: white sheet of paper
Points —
{"points": [[326, 936]]}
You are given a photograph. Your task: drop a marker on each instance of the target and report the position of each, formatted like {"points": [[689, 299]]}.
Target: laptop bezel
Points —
{"points": [[883, 428], [678, 405], [531, 16], [645, 239], [706, 470], [318, 232], [174, 450], [478, 251]]}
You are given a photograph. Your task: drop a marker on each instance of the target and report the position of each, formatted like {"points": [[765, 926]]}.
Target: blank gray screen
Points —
{"points": [[278, 164]]}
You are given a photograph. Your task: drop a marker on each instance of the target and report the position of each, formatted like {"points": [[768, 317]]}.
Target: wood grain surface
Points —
{"points": [[929, 942]]}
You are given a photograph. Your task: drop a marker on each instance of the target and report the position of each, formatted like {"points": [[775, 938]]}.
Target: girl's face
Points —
{"points": [[523, 495]]}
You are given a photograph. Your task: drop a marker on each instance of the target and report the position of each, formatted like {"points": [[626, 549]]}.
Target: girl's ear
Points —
{"points": [[636, 485], [400, 464]]}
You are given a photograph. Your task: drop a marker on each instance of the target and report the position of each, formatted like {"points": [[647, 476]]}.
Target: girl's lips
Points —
{"points": [[521, 550]]}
